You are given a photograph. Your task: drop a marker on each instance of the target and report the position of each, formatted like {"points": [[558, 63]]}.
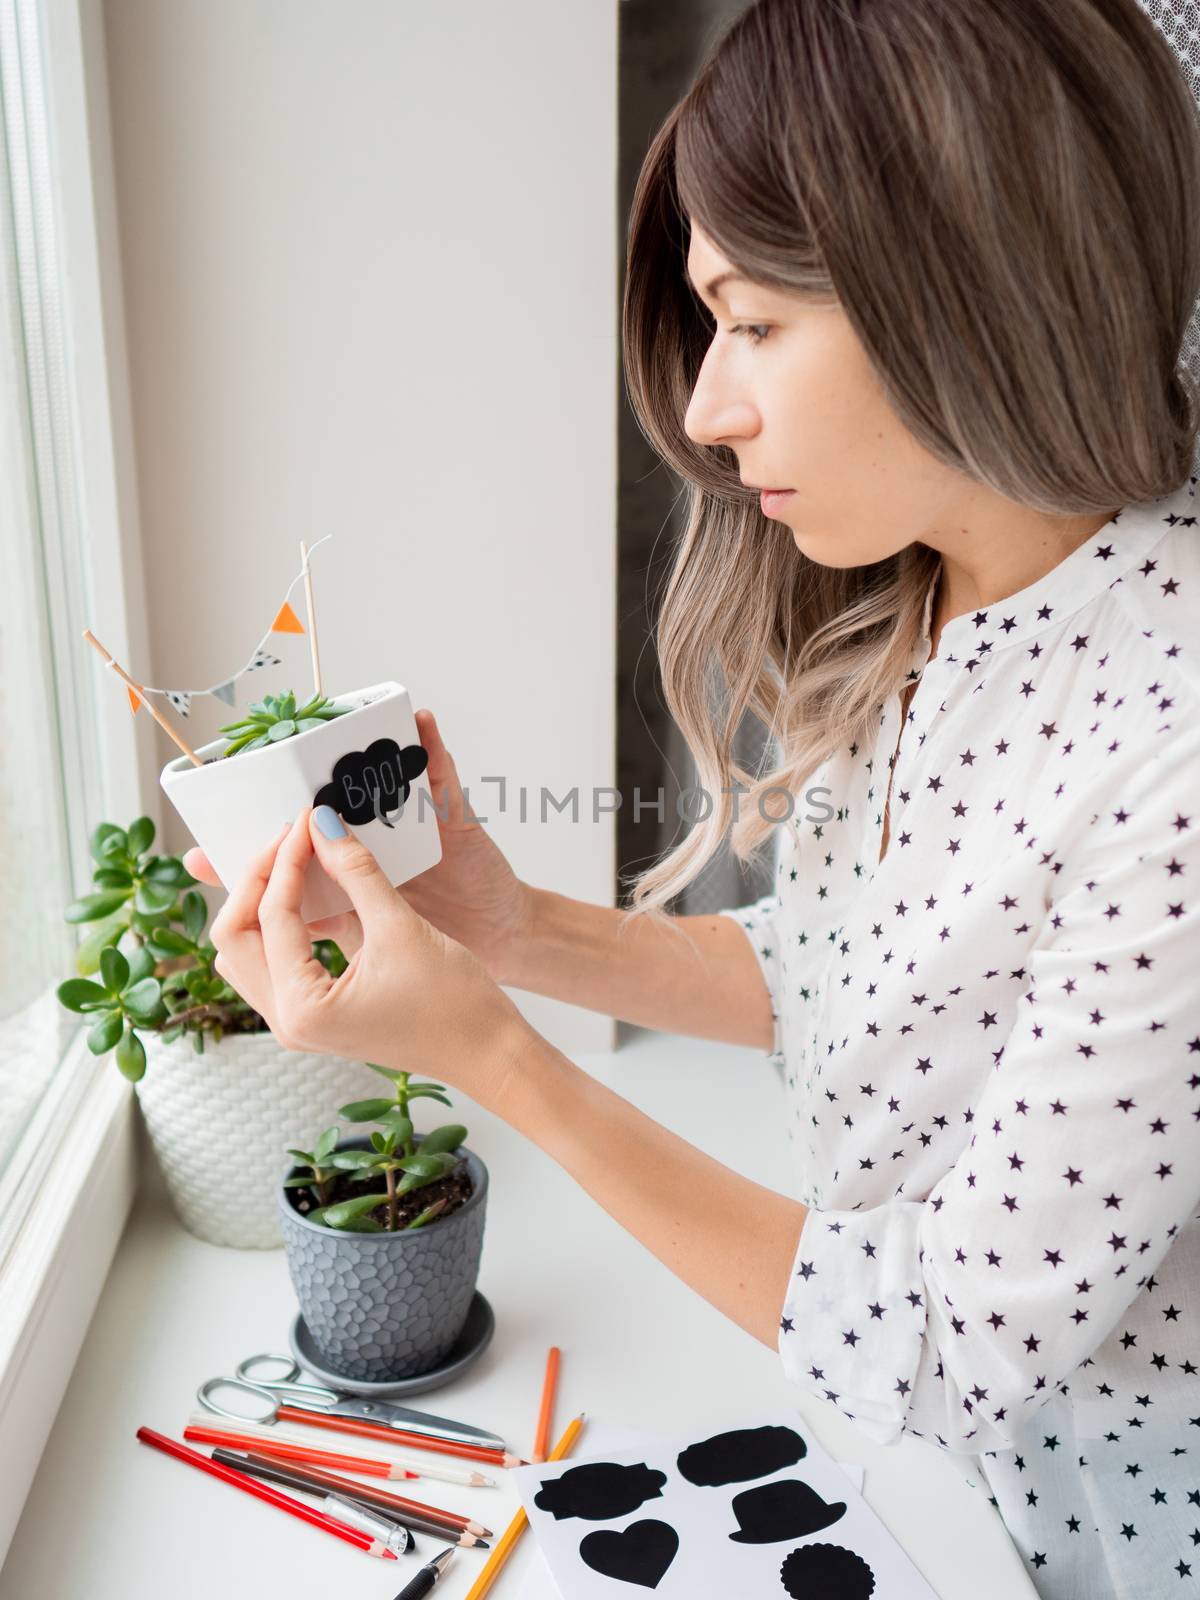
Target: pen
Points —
{"points": [[393, 1534], [424, 1580]]}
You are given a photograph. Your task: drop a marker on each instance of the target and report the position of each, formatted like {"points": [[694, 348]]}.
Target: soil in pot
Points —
{"points": [[456, 1187]]}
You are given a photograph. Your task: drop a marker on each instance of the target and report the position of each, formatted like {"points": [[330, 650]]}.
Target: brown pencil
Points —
{"points": [[397, 1504]]}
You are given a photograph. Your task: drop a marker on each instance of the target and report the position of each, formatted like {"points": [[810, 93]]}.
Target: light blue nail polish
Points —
{"points": [[329, 822]]}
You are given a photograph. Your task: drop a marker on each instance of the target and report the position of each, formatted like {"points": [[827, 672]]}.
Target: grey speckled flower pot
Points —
{"points": [[382, 1306]]}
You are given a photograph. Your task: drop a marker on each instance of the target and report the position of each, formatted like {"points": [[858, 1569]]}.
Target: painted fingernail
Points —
{"points": [[329, 822]]}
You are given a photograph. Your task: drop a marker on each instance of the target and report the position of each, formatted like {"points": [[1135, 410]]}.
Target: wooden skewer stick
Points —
{"points": [[142, 696], [312, 621]]}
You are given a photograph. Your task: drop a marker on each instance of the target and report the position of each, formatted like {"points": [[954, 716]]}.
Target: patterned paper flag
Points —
{"points": [[286, 621]]}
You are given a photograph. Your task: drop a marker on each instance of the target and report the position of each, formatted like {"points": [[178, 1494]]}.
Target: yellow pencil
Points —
{"points": [[513, 1532]]}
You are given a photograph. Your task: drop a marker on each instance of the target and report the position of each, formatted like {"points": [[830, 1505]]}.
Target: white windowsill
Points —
{"points": [[64, 1231]]}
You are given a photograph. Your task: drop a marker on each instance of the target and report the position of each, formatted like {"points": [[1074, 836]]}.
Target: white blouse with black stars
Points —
{"points": [[990, 1045]]}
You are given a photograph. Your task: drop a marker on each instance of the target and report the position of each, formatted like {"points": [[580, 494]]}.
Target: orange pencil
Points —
{"points": [[512, 1533], [549, 1385], [367, 1465]]}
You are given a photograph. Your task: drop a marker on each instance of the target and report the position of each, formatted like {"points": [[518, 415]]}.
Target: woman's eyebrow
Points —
{"points": [[714, 289]]}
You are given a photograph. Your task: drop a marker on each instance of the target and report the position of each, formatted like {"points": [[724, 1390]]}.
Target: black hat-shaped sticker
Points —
{"points": [[368, 784], [785, 1509]]}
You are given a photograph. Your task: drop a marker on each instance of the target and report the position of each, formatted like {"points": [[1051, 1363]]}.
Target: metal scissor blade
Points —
{"points": [[400, 1417]]}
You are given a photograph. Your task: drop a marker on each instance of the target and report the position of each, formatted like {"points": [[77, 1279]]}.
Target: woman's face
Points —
{"points": [[785, 384]]}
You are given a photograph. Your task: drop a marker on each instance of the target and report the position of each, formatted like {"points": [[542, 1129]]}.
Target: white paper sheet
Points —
{"points": [[608, 1441]]}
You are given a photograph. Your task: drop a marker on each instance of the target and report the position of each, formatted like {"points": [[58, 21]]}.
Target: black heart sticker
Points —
{"points": [[640, 1553]]}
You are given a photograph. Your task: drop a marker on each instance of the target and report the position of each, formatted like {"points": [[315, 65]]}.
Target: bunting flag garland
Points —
{"points": [[286, 621]]}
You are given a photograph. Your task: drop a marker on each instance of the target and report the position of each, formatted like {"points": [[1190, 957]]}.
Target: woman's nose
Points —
{"points": [[715, 416]]}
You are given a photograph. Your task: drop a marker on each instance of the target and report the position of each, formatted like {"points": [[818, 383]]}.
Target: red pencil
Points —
{"points": [[263, 1491]]}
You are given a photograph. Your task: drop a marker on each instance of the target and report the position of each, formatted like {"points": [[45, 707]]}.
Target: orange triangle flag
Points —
{"points": [[287, 621], [134, 700]]}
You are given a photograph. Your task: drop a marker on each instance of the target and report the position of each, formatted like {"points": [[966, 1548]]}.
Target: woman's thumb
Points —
{"points": [[352, 865]]}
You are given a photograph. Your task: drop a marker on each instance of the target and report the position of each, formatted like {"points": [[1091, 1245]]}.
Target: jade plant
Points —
{"points": [[163, 982], [276, 717], [393, 1156]]}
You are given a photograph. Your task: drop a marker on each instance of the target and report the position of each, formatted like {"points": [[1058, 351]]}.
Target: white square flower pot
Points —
{"points": [[367, 764]]}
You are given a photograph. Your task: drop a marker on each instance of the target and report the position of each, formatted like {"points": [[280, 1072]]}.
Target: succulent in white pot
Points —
{"points": [[359, 753], [219, 1095]]}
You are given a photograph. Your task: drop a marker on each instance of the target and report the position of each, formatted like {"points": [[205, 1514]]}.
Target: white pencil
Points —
{"points": [[267, 1432]]}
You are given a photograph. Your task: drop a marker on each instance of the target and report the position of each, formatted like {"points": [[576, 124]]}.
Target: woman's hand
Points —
{"points": [[472, 894], [411, 998]]}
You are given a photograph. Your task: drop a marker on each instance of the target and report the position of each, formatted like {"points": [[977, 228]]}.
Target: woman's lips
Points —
{"points": [[771, 499]]}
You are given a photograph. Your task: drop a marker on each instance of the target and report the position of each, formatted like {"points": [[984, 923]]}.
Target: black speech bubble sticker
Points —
{"points": [[368, 784], [820, 1569], [598, 1490], [741, 1454], [640, 1553], [787, 1508]]}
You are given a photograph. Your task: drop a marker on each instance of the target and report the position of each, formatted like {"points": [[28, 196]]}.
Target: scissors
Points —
{"points": [[312, 1399]]}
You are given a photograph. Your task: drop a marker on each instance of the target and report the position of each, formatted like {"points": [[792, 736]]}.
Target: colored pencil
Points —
{"points": [[411, 1441], [541, 1441], [396, 1504], [202, 1433], [285, 1502], [245, 1428], [292, 1476], [512, 1533]]}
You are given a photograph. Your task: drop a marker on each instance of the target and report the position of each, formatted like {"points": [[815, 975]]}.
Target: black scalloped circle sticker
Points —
{"points": [[826, 1569], [741, 1454], [640, 1553], [368, 784], [599, 1490]]}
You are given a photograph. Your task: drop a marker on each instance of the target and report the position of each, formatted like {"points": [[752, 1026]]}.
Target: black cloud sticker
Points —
{"points": [[600, 1489], [740, 1454], [367, 784]]}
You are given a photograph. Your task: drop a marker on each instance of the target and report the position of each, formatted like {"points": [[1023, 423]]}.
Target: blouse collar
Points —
{"points": [[1097, 564]]}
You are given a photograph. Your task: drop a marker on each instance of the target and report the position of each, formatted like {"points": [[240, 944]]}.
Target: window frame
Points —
{"points": [[68, 1213]]}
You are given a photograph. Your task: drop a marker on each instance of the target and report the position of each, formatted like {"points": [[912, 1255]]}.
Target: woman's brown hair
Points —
{"points": [[1004, 198]]}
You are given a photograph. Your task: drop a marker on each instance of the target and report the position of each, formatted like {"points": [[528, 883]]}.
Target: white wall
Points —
{"points": [[369, 265]]}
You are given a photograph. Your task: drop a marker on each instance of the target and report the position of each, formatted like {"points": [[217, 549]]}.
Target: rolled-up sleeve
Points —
{"points": [[957, 1317], [761, 922]]}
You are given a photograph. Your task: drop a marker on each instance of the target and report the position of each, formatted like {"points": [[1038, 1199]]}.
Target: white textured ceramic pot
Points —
{"points": [[222, 1122], [369, 765]]}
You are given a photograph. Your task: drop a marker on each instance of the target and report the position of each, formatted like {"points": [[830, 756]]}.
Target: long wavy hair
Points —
{"points": [[1003, 197]]}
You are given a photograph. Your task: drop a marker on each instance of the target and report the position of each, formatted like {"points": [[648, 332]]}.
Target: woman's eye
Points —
{"points": [[754, 331]]}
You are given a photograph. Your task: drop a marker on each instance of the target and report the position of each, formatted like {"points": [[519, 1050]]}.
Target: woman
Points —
{"points": [[966, 244]]}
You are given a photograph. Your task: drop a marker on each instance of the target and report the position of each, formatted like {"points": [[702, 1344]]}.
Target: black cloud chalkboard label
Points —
{"points": [[371, 783]]}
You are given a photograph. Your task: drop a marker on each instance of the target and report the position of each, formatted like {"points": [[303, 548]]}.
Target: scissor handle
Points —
{"points": [[286, 1383], [202, 1394]]}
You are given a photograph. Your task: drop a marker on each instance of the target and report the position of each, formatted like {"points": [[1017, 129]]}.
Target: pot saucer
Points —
{"points": [[467, 1348]]}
